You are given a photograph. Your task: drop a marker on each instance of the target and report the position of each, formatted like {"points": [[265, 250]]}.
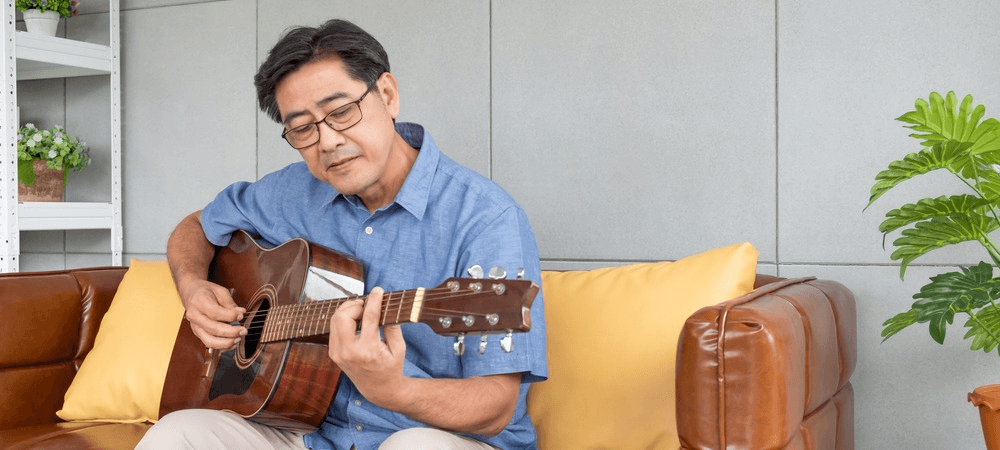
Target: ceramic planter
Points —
{"points": [[41, 22]]}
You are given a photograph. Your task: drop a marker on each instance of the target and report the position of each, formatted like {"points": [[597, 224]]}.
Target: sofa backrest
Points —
{"points": [[50, 322]]}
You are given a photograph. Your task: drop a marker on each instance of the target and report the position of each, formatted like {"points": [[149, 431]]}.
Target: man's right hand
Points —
{"points": [[211, 310], [209, 307]]}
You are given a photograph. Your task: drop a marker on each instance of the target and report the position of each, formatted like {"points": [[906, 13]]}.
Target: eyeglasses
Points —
{"points": [[339, 119]]}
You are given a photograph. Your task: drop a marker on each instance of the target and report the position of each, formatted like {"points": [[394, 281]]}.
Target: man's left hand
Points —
{"points": [[373, 365]]}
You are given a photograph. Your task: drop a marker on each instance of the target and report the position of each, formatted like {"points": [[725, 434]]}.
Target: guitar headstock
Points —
{"points": [[471, 305]]}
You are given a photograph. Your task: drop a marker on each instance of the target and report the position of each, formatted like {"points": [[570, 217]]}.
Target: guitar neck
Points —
{"points": [[286, 322]]}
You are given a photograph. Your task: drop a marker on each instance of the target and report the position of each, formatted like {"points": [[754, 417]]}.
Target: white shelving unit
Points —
{"points": [[32, 57]]}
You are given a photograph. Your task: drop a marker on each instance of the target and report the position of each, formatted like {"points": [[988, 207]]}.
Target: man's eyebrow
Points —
{"points": [[323, 102]]}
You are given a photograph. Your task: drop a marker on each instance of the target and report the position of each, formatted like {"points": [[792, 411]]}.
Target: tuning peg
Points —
{"points": [[520, 273], [497, 273], [482, 344], [460, 345], [507, 342], [475, 271]]}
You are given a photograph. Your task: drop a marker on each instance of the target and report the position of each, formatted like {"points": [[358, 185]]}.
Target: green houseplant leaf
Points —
{"points": [[947, 294], [897, 323], [942, 155], [938, 232], [957, 137], [938, 120], [983, 328], [932, 207]]}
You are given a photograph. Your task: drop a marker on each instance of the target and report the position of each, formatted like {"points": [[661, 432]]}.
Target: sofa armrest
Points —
{"points": [[770, 370], [49, 321]]}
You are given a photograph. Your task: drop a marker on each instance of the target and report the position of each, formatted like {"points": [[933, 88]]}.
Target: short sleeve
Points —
{"points": [[508, 242]]}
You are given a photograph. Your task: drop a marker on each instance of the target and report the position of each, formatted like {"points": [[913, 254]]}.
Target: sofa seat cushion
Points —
{"points": [[74, 436]]}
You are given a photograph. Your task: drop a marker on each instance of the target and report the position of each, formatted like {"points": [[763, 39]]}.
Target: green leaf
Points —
{"points": [[971, 288], [940, 156], [988, 184], [26, 172], [986, 138], [932, 207], [984, 328], [953, 292], [938, 121], [938, 232], [897, 323]]}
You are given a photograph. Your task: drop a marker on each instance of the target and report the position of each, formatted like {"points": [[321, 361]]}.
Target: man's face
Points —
{"points": [[354, 161]]}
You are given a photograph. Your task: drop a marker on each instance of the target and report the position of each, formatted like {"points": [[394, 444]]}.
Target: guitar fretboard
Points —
{"points": [[313, 319]]}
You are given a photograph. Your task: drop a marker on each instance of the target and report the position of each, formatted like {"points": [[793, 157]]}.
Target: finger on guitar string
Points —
{"points": [[370, 325], [346, 319], [212, 312]]}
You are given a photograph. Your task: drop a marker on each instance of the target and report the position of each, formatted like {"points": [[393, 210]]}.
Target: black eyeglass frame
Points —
{"points": [[348, 105]]}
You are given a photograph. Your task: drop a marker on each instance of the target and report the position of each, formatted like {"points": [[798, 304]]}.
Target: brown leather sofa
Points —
{"points": [[769, 370]]}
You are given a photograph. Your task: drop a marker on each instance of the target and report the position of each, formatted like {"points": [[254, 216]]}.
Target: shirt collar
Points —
{"points": [[417, 187]]}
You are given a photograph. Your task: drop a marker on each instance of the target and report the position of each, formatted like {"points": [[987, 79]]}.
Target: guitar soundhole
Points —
{"points": [[251, 344]]}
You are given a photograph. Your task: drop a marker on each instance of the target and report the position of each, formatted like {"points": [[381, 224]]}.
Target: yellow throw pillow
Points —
{"points": [[121, 379], [612, 342]]}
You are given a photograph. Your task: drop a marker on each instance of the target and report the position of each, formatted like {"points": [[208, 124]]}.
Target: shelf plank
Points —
{"points": [[65, 216], [43, 57]]}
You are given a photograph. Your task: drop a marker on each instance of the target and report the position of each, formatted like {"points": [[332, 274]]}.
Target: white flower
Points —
{"points": [[30, 143], [58, 140], [29, 125], [37, 138], [53, 153]]}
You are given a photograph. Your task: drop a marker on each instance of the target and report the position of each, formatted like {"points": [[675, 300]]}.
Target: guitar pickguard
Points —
{"points": [[231, 379]]}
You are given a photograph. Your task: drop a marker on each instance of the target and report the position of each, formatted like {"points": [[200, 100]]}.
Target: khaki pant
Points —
{"points": [[209, 429]]}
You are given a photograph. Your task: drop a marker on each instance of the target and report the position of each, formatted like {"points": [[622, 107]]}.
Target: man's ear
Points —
{"points": [[389, 93]]}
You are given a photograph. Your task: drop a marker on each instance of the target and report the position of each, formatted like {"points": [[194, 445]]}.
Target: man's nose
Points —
{"points": [[329, 139]]}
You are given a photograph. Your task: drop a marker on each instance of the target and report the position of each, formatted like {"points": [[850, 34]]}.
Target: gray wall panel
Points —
{"points": [[438, 52], [846, 71], [637, 130], [188, 112]]}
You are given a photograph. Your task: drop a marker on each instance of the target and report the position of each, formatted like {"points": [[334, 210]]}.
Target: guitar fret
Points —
{"points": [[385, 308], [284, 324], [315, 323], [399, 307]]}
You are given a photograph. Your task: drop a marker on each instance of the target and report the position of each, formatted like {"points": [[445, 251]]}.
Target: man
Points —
{"points": [[383, 193]]}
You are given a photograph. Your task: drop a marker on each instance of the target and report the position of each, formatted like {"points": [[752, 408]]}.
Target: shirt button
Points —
{"points": [[359, 427], [369, 230], [357, 402]]}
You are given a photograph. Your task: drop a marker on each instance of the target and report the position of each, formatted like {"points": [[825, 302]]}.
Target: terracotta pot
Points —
{"points": [[48, 185], [987, 399]]}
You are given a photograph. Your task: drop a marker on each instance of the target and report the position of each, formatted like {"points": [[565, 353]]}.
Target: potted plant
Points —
{"points": [[954, 138], [42, 16], [43, 160]]}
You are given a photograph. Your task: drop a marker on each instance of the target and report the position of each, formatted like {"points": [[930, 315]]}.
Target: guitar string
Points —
{"points": [[316, 313], [323, 309]]}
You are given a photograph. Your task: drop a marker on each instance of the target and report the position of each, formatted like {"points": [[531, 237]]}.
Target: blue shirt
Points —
{"points": [[445, 219]]}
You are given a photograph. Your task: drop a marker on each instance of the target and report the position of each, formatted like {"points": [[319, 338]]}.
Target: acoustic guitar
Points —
{"points": [[280, 374]]}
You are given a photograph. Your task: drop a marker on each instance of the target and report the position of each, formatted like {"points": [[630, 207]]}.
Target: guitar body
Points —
{"points": [[287, 384]]}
